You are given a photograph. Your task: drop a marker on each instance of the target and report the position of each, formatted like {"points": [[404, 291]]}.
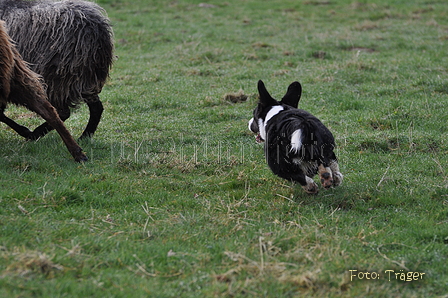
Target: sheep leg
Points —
{"points": [[48, 112], [46, 127], [96, 110], [20, 129], [39, 132]]}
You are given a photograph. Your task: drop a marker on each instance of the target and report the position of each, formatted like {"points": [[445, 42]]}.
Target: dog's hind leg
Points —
{"points": [[306, 182], [337, 175], [326, 176], [96, 110], [311, 186]]}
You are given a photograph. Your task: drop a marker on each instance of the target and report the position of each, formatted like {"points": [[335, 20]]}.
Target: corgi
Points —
{"points": [[297, 145]]}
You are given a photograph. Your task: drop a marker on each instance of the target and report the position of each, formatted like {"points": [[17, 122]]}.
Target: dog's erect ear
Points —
{"points": [[265, 98], [293, 94]]}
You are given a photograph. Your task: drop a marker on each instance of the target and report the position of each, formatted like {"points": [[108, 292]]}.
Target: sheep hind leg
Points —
{"points": [[96, 110], [48, 112], [20, 129], [45, 128]]}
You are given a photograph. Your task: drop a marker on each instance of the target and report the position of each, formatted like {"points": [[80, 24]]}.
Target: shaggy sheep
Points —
{"points": [[21, 86], [68, 43]]}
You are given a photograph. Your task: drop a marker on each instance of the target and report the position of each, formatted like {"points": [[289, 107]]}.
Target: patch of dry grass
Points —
{"points": [[28, 264]]}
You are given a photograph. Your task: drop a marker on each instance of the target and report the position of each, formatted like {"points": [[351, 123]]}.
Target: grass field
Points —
{"points": [[177, 200]]}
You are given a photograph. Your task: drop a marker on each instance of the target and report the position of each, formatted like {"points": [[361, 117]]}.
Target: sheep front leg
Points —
{"points": [[96, 110]]}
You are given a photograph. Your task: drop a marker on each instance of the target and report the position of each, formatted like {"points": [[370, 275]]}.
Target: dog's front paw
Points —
{"points": [[310, 187], [337, 178]]}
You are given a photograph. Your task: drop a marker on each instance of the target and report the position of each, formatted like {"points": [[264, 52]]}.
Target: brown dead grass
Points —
{"points": [[29, 263], [236, 97]]}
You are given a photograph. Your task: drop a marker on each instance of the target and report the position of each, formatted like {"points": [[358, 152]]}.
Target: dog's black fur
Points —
{"points": [[297, 144]]}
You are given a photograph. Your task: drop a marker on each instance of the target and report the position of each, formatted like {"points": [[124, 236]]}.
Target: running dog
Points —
{"points": [[297, 145]]}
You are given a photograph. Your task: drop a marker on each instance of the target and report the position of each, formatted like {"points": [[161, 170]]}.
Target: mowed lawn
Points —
{"points": [[176, 199]]}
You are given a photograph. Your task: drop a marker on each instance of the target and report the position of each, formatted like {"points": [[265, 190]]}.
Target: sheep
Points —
{"points": [[68, 43], [21, 86]]}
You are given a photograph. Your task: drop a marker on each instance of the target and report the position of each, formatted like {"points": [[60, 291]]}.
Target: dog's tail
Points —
{"points": [[311, 140]]}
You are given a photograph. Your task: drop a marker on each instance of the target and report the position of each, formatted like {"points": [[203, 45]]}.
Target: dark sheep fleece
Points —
{"points": [[70, 44], [21, 86]]}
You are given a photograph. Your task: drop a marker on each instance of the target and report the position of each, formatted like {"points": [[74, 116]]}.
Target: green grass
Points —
{"points": [[177, 200]]}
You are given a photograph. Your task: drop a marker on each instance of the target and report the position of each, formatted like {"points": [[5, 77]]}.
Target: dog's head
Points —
{"points": [[268, 107]]}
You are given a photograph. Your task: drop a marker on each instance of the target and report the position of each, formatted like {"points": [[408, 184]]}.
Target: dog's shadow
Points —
{"points": [[340, 198]]}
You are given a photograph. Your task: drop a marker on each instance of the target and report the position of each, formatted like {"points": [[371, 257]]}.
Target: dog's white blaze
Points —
{"points": [[262, 124], [296, 141], [250, 123]]}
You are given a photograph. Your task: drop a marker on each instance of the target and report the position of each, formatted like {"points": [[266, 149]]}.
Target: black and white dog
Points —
{"points": [[297, 144]]}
